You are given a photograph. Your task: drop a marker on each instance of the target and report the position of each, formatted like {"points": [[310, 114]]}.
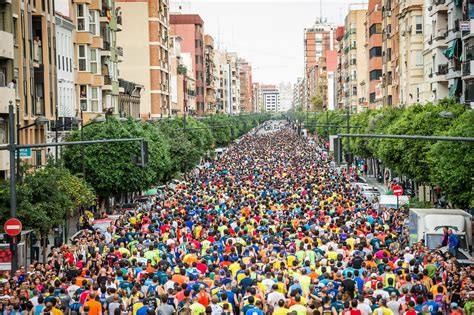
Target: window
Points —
{"points": [[375, 52], [372, 97], [94, 99], [418, 58], [419, 24], [375, 29], [94, 22], [81, 15], [82, 57], [375, 75], [95, 60], [83, 97]]}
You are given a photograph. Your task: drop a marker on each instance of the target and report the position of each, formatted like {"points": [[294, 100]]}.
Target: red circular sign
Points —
{"points": [[397, 190], [12, 227]]}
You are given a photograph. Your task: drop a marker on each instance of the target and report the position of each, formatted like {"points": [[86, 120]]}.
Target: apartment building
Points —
{"points": [[411, 51], [454, 52], [233, 62], [270, 98], [245, 80], [374, 51], [298, 91], [190, 27], [256, 98], [317, 40], [145, 40], [354, 60], [468, 65], [390, 46], [27, 56], [211, 74]]}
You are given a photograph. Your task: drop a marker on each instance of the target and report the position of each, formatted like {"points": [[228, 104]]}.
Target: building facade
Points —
{"points": [[411, 52], [190, 27], [211, 75], [246, 87], [145, 40], [468, 49], [270, 98], [374, 51]]}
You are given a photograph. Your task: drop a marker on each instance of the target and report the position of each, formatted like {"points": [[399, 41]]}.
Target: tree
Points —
{"points": [[45, 197], [316, 103], [451, 163], [109, 167]]}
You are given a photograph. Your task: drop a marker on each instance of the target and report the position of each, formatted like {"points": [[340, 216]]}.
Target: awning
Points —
{"points": [[347, 34], [453, 88], [449, 53]]}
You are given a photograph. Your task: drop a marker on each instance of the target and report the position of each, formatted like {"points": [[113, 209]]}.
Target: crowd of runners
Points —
{"points": [[271, 227]]}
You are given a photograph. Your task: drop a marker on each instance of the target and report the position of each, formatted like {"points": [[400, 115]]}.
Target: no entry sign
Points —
{"points": [[12, 227], [397, 190]]}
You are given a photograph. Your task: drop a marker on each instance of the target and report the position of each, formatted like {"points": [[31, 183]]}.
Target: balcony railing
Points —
{"points": [[466, 68], [442, 69], [119, 20], [106, 45], [107, 80]]}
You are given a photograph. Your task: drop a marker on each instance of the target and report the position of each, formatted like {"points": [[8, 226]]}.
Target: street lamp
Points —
{"points": [[39, 121]]}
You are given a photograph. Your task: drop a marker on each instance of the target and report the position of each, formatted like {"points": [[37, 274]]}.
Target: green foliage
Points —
{"points": [[45, 196], [452, 163], [445, 164], [108, 166]]}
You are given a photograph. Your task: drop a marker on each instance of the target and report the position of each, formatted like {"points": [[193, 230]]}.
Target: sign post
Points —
{"points": [[13, 227], [397, 191]]}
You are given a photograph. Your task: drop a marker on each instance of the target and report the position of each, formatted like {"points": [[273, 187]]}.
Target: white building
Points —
{"points": [[65, 68], [286, 96], [271, 98]]}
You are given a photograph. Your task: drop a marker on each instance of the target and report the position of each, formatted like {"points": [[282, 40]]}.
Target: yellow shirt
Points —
{"points": [[281, 311]]}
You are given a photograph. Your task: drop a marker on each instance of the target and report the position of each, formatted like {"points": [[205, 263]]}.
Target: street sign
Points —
{"points": [[397, 190], [12, 227], [25, 153], [464, 26]]}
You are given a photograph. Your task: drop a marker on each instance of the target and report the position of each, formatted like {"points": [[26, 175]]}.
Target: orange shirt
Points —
{"points": [[179, 279], [95, 308]]}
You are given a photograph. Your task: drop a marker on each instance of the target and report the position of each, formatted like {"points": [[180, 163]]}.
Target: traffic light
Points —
{"points": [[144, 153]]}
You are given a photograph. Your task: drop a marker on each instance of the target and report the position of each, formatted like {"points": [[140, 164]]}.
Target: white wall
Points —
{"points": [[65, 71]]}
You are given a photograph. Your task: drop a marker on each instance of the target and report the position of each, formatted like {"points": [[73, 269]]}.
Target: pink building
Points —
{"points": [[190, 27]]}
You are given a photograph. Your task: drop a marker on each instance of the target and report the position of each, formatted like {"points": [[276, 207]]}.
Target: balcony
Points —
{"points": [[105, 52], [120, 54], [454, 72], [107, 83], [6, 95], [468, 69], [438, 6], [6, 45], [442, 69]]}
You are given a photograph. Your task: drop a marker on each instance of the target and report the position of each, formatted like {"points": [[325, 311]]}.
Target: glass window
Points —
{"points": [[94, 22], [81, 17], [82, 57], [375, 75], [375, 28], [419, 24], [94, 99], [83, 97], [95, 67]]}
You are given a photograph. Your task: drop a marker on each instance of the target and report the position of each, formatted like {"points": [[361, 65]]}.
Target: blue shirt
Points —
{"points": [[252, 311], [432, 306]]}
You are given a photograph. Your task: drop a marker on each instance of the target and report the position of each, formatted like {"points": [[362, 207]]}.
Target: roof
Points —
{"points": [[441, 211], [186, 19]]}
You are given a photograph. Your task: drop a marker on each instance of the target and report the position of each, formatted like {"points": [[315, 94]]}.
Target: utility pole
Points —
{"points": [[56, 113], [12, 149], [18, 126]]}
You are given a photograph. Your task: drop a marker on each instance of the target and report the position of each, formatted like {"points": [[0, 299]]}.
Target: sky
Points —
{"points": [[267, 33]]}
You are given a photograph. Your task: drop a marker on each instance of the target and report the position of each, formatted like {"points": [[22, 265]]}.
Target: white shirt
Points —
{"points": [[364, 309], [394, 306], [382, 293], [274, 297], [268, 283]]}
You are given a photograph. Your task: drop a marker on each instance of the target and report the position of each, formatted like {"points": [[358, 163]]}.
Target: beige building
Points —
{"points": [[354, 60], [27, 72], [145, 39], [411, 51], [211, 74]]}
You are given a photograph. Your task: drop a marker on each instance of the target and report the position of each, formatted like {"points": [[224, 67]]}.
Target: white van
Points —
{"points": [[427, 224]]}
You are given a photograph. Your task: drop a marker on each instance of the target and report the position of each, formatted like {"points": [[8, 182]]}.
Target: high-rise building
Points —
{"points": [[390, 44], [210, 74], [454, 51], [468, 47], [66, 90], [145, 40], [270, 98], [245, 78], [354, 59], [256, 98], [29, 34], [190, 27], [374, 46], [298, 91], [411, 52], [318, 40], [286, 96]]}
